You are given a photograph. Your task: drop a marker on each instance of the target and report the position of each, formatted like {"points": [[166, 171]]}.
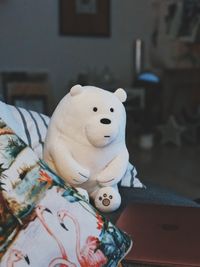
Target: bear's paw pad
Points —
{"points": [[107, 199]]}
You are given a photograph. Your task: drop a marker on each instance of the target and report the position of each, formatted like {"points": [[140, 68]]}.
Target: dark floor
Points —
{"points": [[176, 168]]}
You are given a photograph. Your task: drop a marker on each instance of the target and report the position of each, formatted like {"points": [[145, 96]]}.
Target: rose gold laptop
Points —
{"points": [[162, 235]]}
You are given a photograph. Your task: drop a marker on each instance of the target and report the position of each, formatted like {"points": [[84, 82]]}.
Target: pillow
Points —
{"points": [[46, 222]]}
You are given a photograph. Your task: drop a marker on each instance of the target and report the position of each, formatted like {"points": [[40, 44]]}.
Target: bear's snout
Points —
{"points": [[105, 121]]}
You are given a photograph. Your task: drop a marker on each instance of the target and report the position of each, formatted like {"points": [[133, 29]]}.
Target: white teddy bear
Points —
{"points": [[85, 142]]}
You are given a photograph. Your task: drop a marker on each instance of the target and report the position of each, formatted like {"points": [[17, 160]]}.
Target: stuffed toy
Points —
{"points": [[85, 143]]}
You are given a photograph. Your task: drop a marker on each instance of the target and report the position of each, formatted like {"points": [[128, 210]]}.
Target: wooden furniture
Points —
{"points": [[27, 90], [32, 96]]}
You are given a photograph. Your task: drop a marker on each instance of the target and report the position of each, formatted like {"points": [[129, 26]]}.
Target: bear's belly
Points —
{"points": [[93, 162], [95, 159]]}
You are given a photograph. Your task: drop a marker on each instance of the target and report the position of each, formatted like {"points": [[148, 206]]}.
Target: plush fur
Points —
{"points": [[85, 142]]}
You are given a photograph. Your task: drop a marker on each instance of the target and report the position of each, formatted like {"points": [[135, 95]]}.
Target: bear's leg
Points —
{"points": [[108, 199]]}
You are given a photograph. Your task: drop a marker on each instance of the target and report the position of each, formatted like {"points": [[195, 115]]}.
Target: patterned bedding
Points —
{"points": [[44, 221]]}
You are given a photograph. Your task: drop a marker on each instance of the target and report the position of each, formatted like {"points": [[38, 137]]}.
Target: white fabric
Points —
{"points": [[30, 126], [8, 116], [130, 178]]}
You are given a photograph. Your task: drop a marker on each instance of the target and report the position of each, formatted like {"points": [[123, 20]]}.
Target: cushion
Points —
{"points": [[43, 220]]}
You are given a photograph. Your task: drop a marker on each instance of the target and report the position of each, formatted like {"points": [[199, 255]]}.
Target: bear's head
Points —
{"points": [[90, 115]]}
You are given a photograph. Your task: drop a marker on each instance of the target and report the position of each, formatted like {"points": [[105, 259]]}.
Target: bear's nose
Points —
{"points": [[105, 121]]}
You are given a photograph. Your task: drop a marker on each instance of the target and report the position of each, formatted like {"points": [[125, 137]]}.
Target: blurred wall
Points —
{"points": [[29, 40]]}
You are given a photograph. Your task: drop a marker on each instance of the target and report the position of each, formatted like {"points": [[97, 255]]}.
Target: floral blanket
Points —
{"points": [[44, 221]]}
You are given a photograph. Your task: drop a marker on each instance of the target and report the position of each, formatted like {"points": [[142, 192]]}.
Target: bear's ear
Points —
{"points": [[121, 94], [76, 90]]}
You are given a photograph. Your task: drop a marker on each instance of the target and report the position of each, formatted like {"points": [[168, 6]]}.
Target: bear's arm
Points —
{"points": [[66, 166], [115, 170]]}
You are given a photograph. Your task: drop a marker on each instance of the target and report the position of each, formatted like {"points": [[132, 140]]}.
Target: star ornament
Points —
{"points": [[171, 132]]}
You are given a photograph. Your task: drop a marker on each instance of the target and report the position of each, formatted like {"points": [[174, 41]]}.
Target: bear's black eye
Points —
{"points": [[95, 109], [111, 109]]}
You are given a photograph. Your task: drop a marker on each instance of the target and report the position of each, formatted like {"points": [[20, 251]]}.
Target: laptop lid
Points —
{"points": [[162, 234]]}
